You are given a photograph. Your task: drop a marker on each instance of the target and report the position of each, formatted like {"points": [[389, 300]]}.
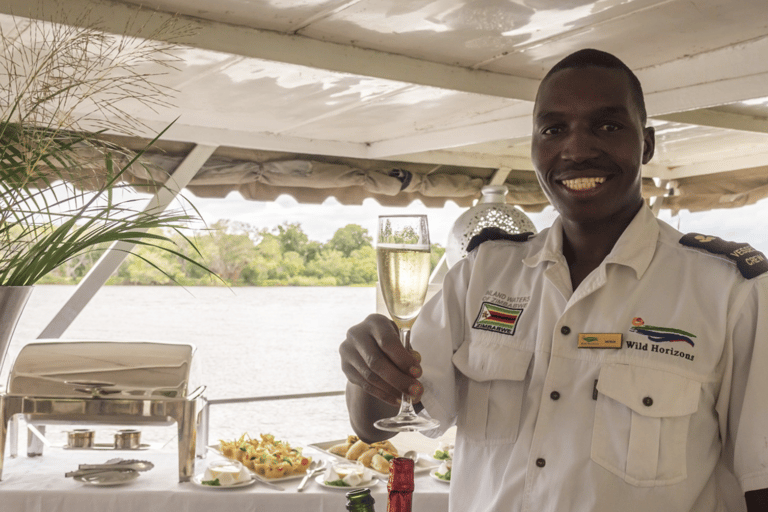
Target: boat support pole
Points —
{"points": [[114, 256], [108, 263]]}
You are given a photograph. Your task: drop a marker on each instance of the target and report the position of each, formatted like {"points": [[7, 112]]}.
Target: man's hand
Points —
{"points": [[379, 369], [373, 358]]}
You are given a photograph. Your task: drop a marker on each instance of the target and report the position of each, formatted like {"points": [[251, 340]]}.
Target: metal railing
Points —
{"points": [[204, 423], [36, 435]]}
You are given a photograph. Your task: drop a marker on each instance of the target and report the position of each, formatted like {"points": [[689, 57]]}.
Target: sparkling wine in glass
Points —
{"points": [[402, 252]]}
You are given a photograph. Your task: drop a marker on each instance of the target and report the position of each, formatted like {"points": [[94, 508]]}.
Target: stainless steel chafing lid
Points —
{"points": [[108, 369]]}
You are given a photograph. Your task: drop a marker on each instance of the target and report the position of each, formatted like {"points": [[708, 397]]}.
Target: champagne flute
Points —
{"points": [[402, 251]]}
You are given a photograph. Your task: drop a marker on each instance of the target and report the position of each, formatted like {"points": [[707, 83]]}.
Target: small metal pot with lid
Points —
{"points": [[80, 438], [128, 439]]}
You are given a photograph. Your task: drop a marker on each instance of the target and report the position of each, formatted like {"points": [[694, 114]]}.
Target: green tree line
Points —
{"points": [[243, 255]]}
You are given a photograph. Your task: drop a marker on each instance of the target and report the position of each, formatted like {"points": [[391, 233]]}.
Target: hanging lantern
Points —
{"points": [[491, 211]]}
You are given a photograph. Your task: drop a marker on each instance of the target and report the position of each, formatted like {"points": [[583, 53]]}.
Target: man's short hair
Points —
{"points": [[591, 57]]}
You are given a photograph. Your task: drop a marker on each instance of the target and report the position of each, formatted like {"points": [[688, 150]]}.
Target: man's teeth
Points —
{"points": [[583, 183]]}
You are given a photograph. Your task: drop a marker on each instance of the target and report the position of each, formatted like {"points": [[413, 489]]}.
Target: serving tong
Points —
{"points": [[111, 465]]}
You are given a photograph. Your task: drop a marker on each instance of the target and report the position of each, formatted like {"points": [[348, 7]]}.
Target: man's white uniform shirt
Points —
{"points": [[676, 420]]}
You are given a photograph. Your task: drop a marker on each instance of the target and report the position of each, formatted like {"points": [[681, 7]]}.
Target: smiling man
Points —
{"points": [[629, 373]]}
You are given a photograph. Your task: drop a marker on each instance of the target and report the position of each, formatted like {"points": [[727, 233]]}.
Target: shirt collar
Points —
{"points": [[635, 247], [552, 250]]}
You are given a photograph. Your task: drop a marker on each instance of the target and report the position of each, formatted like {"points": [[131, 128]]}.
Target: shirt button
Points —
{"points": [[647, 401], [541, 463], [554, 395], [565, 329]]}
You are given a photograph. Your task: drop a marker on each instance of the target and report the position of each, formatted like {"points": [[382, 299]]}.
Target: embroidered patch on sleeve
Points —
{"points": [[493, 317]]}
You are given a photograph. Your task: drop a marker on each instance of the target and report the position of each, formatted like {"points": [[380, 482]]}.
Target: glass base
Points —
{"points": [[406, 423]]}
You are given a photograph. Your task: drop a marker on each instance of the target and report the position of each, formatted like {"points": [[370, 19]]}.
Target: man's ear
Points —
{"points": [[649, 143]]}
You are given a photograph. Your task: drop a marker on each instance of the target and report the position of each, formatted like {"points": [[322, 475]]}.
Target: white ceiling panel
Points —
{"points": [[278, 15], [442, 81]]}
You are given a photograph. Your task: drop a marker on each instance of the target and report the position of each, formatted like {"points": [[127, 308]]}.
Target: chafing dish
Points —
{"points": [[112, 383]]}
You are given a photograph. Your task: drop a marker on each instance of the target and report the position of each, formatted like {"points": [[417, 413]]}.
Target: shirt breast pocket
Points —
{"points": [[495, 388], [641, 424]]}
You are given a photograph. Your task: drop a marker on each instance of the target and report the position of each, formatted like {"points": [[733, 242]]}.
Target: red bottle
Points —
{"points": [[400, 485]]}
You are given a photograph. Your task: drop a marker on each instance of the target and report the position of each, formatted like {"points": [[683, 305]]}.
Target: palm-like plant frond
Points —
{"points": [[54, 80]]}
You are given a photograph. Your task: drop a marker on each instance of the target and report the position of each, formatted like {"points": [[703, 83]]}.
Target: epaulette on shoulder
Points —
{"points": [[494, 233], [750, 261]]}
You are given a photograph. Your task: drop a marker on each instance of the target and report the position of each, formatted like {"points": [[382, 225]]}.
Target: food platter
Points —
{"points": [[215, 448], [422, 465]]}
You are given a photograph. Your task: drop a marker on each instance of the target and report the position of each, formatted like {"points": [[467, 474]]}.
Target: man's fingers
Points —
{"points": [[381, 373], [374, 359], [373, 386], [387, 336]]}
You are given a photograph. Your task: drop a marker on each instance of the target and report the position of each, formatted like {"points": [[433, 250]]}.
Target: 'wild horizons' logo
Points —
{"points": [[661, 334]]}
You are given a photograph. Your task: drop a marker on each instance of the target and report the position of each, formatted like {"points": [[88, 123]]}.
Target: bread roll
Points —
{"points": [[340, 449], [386, 446], [366, 457], [380, 464], [357, 449]]}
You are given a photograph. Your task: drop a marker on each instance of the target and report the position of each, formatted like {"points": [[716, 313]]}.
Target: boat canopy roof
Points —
{"points": [[432, 100]]}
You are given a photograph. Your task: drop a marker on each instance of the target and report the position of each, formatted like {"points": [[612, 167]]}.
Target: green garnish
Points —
{"points": [[442, 455], [337, 483], [444, 476], [388, 456], [243, 449], [288, 461], [214, 483]]}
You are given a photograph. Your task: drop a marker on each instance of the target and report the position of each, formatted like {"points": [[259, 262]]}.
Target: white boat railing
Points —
{"points": [[36, 439], [204, 421]]}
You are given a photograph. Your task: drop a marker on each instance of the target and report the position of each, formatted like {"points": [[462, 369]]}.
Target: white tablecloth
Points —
{"points": [[38, 485]]}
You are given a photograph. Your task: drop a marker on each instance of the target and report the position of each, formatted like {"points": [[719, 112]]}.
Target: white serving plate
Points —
{"points": [[108, 478], [368, 483], [198, 480], [433, 474], [216, 449], [424, 464]]}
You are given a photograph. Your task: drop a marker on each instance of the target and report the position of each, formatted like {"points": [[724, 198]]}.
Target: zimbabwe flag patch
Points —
{"points": [[493, 317]]}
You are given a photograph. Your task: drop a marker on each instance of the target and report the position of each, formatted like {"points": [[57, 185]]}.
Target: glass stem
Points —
{"points": [[406, 405]]}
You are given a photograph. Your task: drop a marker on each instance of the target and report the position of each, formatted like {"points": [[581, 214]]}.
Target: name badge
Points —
{"points": [[599, 340]]}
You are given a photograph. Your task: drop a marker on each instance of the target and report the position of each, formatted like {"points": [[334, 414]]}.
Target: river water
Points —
{"points": [[250, 341]]}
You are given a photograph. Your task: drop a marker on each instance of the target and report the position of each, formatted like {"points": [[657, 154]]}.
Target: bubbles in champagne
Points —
{"points": [[404, 279]]}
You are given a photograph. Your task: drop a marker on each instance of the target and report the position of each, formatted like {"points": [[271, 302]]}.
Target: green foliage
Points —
{"points": [[402, 234], [435, 254], [56, 81], [292, 237], [245, 256], [350, 238]]}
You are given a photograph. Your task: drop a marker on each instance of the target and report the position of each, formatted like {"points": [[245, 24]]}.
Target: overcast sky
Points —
{"points": [[747, 224]]}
